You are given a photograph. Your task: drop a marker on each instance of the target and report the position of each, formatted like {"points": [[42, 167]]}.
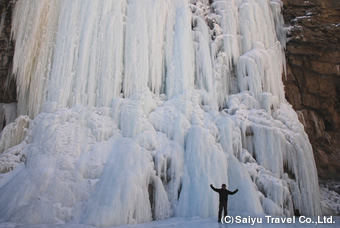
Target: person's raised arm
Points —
{"points": [[212, 187], [232, 193]]}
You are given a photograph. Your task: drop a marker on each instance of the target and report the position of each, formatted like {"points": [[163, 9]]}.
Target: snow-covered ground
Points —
{"points": [[330, 194], [196, 222]]}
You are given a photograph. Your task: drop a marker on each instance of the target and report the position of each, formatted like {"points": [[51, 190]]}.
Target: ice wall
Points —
{"points": [[8, 113], [137, 106]]}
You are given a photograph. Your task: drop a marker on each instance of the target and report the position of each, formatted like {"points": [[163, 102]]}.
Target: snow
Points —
{"points": [[129, 110], [330, 194]]}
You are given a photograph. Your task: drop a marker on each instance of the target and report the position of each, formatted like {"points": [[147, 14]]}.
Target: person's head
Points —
{"points": [[223, 186]]}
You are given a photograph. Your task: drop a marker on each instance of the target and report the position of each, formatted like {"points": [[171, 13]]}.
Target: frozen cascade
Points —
{"points": [[130, 109]]}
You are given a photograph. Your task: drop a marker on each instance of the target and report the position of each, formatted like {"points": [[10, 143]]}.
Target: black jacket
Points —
{"points": [[223, 193]]}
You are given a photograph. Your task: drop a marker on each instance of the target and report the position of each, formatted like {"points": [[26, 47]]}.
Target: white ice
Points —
{"points": [[131, 109], [8, 114]]}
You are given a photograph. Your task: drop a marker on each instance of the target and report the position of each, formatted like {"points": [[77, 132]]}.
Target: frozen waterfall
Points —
{"points": [[130, 109]]}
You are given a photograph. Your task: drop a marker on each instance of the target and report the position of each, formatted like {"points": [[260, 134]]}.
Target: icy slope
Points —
{"points": [[137, 106]]}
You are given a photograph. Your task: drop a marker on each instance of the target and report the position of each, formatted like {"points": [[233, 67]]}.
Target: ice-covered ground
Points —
{"points": [[196, 222], [330, 194]]}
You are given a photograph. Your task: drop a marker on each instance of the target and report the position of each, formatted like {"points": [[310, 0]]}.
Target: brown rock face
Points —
{"points": [[313, 76], [7, 87]]}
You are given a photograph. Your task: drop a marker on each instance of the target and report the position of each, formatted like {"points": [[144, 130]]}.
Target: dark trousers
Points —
{"points": [[222, 206]]}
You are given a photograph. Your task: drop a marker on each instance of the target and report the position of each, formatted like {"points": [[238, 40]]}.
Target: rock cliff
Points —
{"points": [[7, 87], [312, 84]]}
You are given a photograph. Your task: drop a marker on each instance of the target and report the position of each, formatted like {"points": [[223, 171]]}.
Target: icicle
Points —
{"points": [[8, 114], [13, 133]]}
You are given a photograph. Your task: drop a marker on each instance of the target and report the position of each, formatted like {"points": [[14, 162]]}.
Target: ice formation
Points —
{"points": [[8, 113], [135, 107]]}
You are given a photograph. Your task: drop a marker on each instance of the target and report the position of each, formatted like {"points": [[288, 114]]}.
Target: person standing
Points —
{"points": [[223, 192]]}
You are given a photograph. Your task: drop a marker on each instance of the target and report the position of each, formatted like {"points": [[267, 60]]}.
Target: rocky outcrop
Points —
{"points": [[7, 85], [312, 83]]}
